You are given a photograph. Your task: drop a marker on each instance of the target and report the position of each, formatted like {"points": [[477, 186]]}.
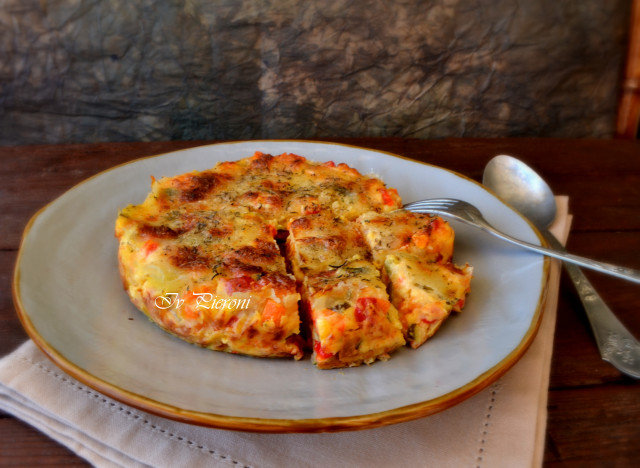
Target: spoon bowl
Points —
{"points": [[522, 187]]}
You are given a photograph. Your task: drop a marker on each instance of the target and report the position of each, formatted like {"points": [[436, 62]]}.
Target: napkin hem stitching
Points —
{"points": [[135, 416], [485, 427]]}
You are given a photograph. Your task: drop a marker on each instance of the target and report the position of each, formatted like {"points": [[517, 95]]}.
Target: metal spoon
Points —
{"points": [[521, 187]]}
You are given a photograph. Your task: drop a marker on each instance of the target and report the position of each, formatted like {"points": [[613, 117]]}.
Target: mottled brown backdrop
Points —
{"points": [[84, 71]]}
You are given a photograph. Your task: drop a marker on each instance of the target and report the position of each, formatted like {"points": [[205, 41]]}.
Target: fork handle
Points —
{"points": [[621, 272], [616, 344]]}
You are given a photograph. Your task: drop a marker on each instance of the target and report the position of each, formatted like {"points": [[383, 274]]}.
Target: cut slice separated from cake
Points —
{"points": [[425, 293], [415, 253], [351, 318]]}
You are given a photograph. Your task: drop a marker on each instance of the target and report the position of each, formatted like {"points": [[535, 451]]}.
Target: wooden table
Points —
{"points": [[594, 411]]}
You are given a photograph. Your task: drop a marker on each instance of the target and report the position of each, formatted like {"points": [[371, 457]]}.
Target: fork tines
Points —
{"points": [[434, 203]]}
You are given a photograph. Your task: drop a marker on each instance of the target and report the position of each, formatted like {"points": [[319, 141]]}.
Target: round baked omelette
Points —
{"points": [[272, 255]]}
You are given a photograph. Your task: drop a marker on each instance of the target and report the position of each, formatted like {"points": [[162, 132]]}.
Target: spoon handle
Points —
{"points": [[621, 272], [616, 344]]}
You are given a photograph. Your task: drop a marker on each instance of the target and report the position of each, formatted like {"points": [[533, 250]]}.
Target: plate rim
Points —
{"points": [[272, 425]]}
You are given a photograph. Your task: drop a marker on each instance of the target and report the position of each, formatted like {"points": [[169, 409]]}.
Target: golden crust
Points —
{"points": [[321, 242]]}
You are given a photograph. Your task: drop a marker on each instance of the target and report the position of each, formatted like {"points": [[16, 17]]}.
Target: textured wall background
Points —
{"points": [[82, 71]]}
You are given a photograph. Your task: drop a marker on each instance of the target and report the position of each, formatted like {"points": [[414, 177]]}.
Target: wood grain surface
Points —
{"points": [[594, 411]]}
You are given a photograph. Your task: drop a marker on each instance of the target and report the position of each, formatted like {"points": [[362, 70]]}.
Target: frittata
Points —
{"points": [[254, 255]]}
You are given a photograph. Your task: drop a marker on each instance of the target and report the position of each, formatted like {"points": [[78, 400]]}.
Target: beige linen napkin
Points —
{"points": [[504, 425]]}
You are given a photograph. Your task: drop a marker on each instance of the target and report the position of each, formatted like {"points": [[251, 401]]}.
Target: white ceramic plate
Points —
{"points": [[70, 299]]}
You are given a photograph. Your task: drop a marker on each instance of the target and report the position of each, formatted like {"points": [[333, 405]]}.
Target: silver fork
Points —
{"points": [[469, 214], [617, 345]]}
